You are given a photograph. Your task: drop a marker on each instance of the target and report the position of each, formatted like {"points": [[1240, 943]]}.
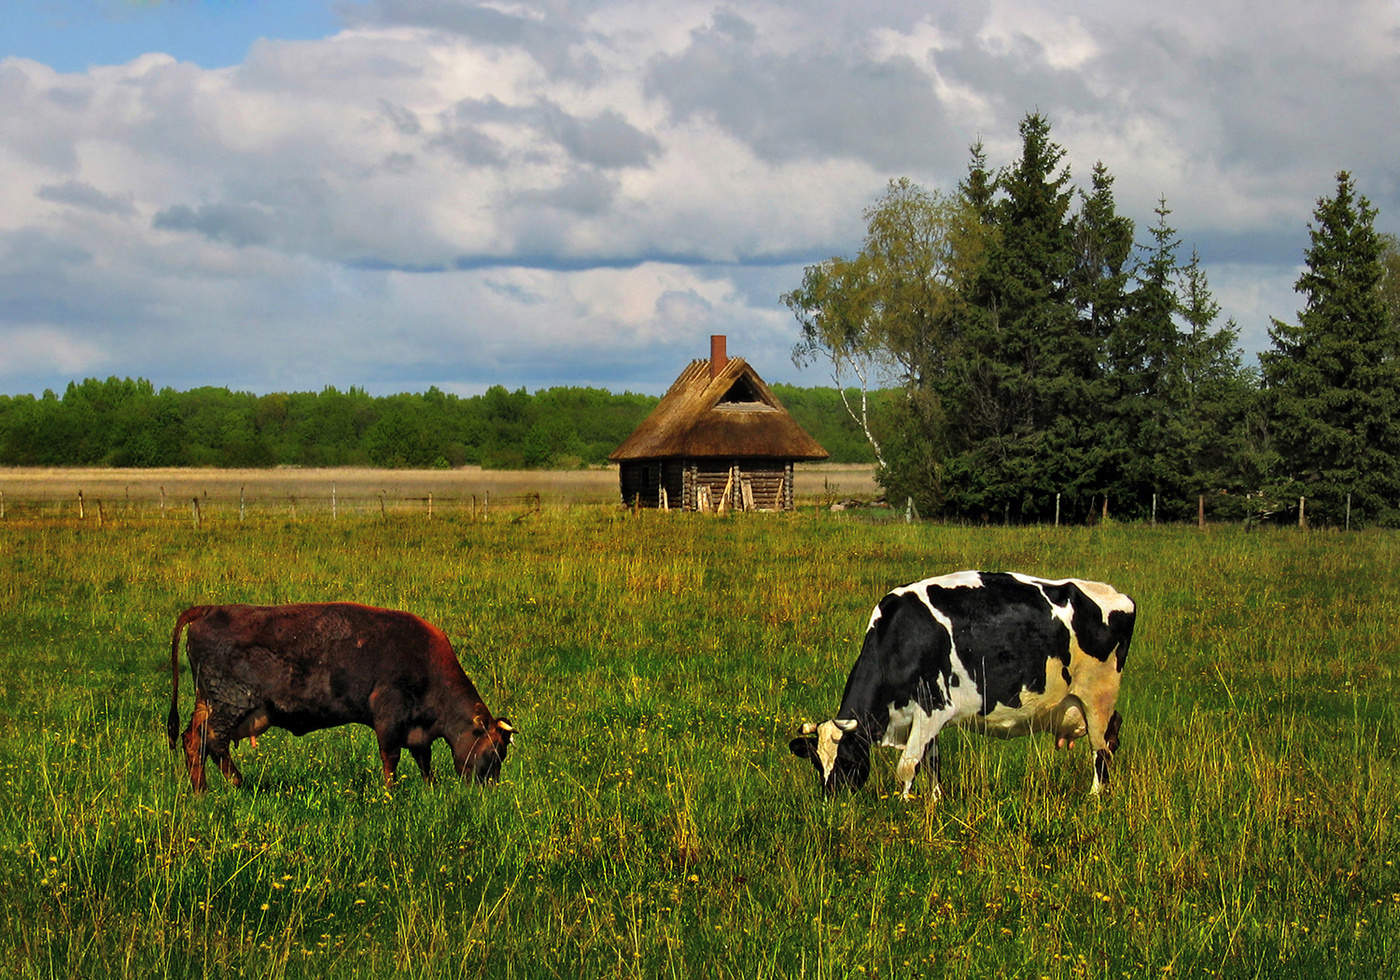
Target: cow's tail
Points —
{"points": [[172, 721]]}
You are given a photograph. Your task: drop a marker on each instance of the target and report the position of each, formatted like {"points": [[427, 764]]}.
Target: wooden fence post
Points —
{"points": [[2, 505], [1201, 511], [81, 513], [1154, 510], [1057, 510], [1348, 512], [1302, 519], [194, 501], [240, 504], [162, 500], [382, 515], [430, 505], [333, 507]]}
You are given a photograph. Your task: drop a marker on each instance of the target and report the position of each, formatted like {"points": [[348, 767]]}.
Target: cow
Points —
{"points": [[308, 666], [1003, 653]]}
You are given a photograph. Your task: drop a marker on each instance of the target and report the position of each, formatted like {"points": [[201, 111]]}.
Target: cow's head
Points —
{"points": [[840, 753], [479, 751]]}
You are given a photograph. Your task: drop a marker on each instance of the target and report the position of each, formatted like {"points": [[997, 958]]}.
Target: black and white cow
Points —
{"points": [[1004, 653]]}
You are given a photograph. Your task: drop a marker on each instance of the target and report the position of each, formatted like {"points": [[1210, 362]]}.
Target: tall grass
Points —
{"points": [[650, 821]]}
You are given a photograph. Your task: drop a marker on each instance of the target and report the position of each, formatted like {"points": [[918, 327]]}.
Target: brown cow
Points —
{"points": [[309, 666]]}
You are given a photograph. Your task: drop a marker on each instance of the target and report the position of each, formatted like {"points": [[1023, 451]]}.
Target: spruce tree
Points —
{"points": [[1027, 366], [1103, 244], [1221, 397], [1333, 379], [1145, 360]]}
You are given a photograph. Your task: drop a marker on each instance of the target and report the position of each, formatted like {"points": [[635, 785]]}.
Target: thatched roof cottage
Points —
{"points": [[719, 438]]}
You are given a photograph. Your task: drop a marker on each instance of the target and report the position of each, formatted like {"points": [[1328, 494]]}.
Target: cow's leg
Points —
{"points": [[423, 755], [223, 723], [196, 739], [1103, 723], [390, 746], [922, 747], [930, 763]]}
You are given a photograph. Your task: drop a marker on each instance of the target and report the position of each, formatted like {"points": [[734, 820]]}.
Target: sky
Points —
{"points": [[285, 195]]}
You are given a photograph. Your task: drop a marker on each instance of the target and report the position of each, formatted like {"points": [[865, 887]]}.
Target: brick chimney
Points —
{"points": [[718, 358]]}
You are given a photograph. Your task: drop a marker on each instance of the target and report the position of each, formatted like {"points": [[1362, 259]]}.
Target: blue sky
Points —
{"points": [[404, 193], [69, 35]]}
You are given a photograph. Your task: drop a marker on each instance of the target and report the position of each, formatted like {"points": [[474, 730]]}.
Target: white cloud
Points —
{"points": [[464, 192]]}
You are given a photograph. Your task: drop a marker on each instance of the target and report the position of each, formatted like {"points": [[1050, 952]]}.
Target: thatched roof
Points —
{"points": [[733, 415]]}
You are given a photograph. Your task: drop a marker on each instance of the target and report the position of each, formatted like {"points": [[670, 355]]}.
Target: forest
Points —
{"points": [[127, 422], [1047, 356]]}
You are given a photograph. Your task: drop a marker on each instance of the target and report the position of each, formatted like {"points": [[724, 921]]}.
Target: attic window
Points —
{"points": [[742, 394]]}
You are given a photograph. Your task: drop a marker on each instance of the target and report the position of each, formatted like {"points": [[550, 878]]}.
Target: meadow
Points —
{"points": [[650, 821]]}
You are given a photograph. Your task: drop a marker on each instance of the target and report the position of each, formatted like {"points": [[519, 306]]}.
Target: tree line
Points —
{"points": [[1046, 358], [128, 422]]}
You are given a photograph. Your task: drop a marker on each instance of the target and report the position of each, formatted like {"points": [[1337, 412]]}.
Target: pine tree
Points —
{"points": [[1333, 379]]}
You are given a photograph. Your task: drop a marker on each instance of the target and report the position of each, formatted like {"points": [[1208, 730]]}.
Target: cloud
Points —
{"points": [[47, 350], [237, 224], [530, 193], [804, 103], [82, 195]]}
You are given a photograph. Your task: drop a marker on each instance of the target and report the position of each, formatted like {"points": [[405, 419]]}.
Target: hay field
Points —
{"points": [[361, 488]]}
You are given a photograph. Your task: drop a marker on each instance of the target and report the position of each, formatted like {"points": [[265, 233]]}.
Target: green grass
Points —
{"points": [[651, 822]]}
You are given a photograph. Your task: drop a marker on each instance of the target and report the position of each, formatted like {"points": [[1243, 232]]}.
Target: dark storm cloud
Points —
{"points": [[810, 104]]}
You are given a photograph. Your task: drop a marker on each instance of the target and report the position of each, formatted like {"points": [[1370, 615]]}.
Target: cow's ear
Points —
{"points": [[803, 747]]}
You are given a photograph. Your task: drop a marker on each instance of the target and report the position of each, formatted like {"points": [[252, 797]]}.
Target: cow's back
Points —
{"points": [[311, 664]]}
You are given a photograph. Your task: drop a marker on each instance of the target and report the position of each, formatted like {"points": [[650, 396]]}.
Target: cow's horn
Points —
{"points": [[845, 724], [504, 725], [808, 728]]}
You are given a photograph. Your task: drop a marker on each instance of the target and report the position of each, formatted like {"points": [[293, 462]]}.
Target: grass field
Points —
{"points": [[651, 822]]}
